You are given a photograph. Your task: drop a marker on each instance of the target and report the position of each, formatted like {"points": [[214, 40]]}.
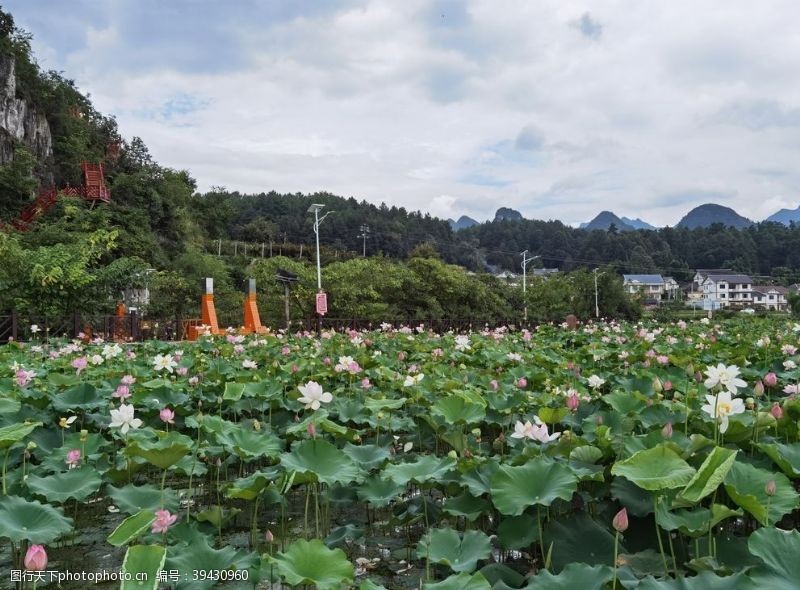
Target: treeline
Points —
{"points": [[766, 249]]}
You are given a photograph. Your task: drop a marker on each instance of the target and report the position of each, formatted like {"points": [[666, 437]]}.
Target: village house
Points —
{"points": [[727, 290], [770, 297]]}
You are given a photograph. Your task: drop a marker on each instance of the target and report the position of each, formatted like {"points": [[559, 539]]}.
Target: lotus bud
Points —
{"points": [[689, 370], [750, 403], [30, 446], [770, 488], [698, 376], [35, 559], [311, 429], [620, 522], [770, 379], [758, 389], [219, 463], [666, 432], [667, 385], [268, 536], [658, 387], [84, 435], [776, 411], [452, 454], [573, 402], [256, 425]]}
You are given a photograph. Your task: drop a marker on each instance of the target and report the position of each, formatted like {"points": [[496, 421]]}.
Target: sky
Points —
{"points": [[557, 108]]}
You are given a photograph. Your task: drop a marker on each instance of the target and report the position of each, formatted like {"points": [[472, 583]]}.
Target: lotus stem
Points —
{"points": [[5, 460], [658, 536], [616, 555], [541, 537]]}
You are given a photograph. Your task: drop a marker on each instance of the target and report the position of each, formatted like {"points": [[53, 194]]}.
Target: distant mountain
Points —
{"points": [[506, 214], [785, 216], [637, 223], [709, 214], [604, 221], [463, 223]]}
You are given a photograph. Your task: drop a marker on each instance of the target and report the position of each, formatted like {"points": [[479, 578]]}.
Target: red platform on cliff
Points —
{"points": [[93, 189]]}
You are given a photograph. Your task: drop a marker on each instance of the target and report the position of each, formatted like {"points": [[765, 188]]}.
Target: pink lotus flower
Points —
{"points": [[666, 432], [667, 385], [286, 351], [662, 359], [24, 377], [494, 384], [73, 458], [295, 368], [792, 389], [163, 521], [311, 430], [522, 383], [123, 392], [770, 379], [79, 364], [167, 416], [194, 381], [35, 558], [365, 383], [437, 353], [182, 371], [128, 380]]}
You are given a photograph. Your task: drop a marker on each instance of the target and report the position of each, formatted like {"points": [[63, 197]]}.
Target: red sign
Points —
{"points": [[322, 303]]}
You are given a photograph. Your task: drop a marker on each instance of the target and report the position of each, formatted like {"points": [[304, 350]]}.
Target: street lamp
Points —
{"points": [[315, 209], [525, 261], [596, 301]]}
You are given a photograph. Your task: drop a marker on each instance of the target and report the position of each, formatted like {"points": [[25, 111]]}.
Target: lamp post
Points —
{"points": [[596, 300], [525, 261], [315, 209]]}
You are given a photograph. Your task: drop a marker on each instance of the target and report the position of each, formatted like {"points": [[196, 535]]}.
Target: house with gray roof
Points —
{"points": [[728, 290], [650, 287]]}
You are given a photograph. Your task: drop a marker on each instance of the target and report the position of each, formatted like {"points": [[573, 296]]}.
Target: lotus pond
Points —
{"points": [[643, 456]]}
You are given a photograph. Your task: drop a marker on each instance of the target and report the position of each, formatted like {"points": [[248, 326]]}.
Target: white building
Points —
{"points": [[728, 290], [650, 287], [770, 298]]}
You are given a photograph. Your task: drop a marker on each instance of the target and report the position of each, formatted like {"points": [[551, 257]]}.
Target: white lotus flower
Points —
{"points": [[313, 395], [537, 431], [123, 419], [523, 430], [595, 381], [789, 365], [248, 364], [462, 343], [164, 362], [721, 406], [726, 377], [35, 329], [412, 380]]}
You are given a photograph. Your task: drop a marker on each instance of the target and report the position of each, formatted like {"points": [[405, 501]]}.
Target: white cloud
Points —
{"points": [[455, 108]]}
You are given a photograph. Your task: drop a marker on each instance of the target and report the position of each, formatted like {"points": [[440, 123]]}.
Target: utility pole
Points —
{"points": [[364, 235], [525, 261], [596, 299]]}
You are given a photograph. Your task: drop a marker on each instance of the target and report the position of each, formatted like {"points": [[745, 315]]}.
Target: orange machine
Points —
{"points": [[208, 313], [252, 319]]}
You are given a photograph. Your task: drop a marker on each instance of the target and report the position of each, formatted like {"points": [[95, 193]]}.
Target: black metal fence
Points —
{"points": [[136, 328]]}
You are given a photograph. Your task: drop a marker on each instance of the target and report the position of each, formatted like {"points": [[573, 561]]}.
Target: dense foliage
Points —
{"points": [[657, 455]]}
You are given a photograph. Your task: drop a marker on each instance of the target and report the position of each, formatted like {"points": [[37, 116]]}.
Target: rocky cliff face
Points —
{"points": [[20, 123]]}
